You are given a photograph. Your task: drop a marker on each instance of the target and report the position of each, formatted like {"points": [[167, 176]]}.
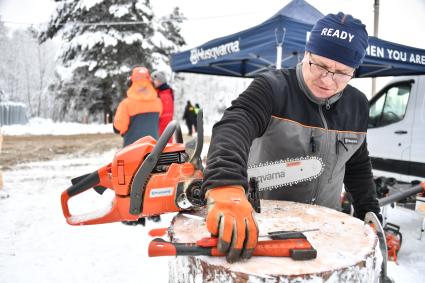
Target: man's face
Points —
{"points": [[325, 77]]}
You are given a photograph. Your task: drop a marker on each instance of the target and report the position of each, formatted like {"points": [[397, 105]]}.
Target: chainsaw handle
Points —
{"points": [[83, 185], [87, 183], [97, 178]]}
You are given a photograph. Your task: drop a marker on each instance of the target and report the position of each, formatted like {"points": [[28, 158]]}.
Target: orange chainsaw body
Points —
{"points": [[159, 194]]}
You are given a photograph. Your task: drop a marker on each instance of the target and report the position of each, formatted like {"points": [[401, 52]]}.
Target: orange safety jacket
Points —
{"points": [[138, 114]]}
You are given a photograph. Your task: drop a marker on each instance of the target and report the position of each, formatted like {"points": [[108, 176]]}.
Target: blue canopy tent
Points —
{"points": [[384, 58], [280, 41]]}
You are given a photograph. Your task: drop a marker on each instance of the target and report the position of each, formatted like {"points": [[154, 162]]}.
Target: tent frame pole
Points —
{"points": [[279, 57], [279, 47]]}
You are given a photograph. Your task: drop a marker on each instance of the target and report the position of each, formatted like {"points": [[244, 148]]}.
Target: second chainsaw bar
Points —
{"points": [[272, 175]]}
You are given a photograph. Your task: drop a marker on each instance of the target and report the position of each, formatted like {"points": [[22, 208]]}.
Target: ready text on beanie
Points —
{"points": [[339, 37]]}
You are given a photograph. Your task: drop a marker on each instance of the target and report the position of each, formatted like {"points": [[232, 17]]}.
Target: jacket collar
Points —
{"points": [[164, 86]]}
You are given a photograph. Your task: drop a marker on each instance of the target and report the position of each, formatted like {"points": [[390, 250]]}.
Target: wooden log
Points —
{"points": [[347, 250]]}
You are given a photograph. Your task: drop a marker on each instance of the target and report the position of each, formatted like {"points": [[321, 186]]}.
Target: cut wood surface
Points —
{"points": [[347, 250]]}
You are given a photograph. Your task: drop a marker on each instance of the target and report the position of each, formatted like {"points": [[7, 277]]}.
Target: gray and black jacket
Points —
{"points": [[276, 118]]}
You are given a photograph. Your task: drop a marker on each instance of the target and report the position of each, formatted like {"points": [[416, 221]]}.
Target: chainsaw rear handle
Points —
{"points": [[97, 178], [88, 182]]}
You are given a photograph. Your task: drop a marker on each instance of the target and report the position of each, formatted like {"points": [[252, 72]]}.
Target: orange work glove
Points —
{"points": [[230, 218]]}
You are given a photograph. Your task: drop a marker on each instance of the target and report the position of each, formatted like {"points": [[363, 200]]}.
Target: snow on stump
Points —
{"points": [[347, 250]]}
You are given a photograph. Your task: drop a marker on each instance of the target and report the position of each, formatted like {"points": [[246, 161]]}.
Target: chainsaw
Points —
{"points": [[148, 177], [152, 177], [394, 240]]}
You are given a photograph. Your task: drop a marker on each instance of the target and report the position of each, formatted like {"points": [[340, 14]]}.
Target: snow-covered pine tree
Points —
{"points": [[168, 37], [102, 41]]}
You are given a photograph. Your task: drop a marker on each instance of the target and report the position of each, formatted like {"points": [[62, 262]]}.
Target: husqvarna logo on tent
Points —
{"points": [[198, 54]]}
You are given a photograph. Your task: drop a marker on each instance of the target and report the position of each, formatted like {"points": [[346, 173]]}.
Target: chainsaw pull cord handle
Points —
{"points": [[93, 179], [195, 159], [144, 171]]}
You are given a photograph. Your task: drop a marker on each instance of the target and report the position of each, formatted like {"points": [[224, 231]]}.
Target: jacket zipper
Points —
{"points": [[312, 142], [327, 147]]}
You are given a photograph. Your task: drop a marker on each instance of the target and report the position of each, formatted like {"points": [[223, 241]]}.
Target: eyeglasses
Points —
{"points": [[320, 71]]}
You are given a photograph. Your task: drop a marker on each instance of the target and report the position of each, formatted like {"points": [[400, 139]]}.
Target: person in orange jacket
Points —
{"points": [[138, 114], [166, 94]]}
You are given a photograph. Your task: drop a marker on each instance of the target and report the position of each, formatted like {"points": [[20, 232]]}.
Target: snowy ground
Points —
{"points": [[411, 258], [36, 244]]}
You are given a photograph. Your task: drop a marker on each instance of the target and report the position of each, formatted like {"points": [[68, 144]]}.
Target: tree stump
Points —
{"points": [[347, 249]]}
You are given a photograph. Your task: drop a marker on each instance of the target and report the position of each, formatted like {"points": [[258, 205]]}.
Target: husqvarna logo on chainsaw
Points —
{"points": [[161, 192], [272, 176], [281, 173]]}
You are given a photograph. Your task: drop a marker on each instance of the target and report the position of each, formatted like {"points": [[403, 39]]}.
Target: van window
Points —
{"points": [[390, 106]]}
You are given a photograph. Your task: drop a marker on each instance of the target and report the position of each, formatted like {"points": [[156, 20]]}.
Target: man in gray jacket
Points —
{"points": [[306, 113]]}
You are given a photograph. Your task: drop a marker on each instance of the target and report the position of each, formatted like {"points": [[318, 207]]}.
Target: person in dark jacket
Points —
{"points": [[189, 116], [138, 114], [166, 94], [197, 108], [305, 113]]}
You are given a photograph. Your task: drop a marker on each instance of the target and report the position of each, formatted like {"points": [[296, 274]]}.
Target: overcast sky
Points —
{"points": [[400, 21]]}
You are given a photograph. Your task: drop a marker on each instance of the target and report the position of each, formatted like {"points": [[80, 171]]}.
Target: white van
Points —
{"points": [[396, 134]]}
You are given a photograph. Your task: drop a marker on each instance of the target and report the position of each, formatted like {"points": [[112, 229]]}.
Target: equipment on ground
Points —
{"points": [[394, 240], [372, 219], [392, 232], [383, 188], [393, 236]]}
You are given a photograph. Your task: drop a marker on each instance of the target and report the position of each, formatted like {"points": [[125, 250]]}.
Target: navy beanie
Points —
{"points": [[340, 37]]}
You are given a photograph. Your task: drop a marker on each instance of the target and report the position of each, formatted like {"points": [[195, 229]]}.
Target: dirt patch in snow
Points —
{"points": [[23, 149]]}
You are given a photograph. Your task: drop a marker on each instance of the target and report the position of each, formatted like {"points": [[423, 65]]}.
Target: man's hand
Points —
{"points": [[230, 218]]}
